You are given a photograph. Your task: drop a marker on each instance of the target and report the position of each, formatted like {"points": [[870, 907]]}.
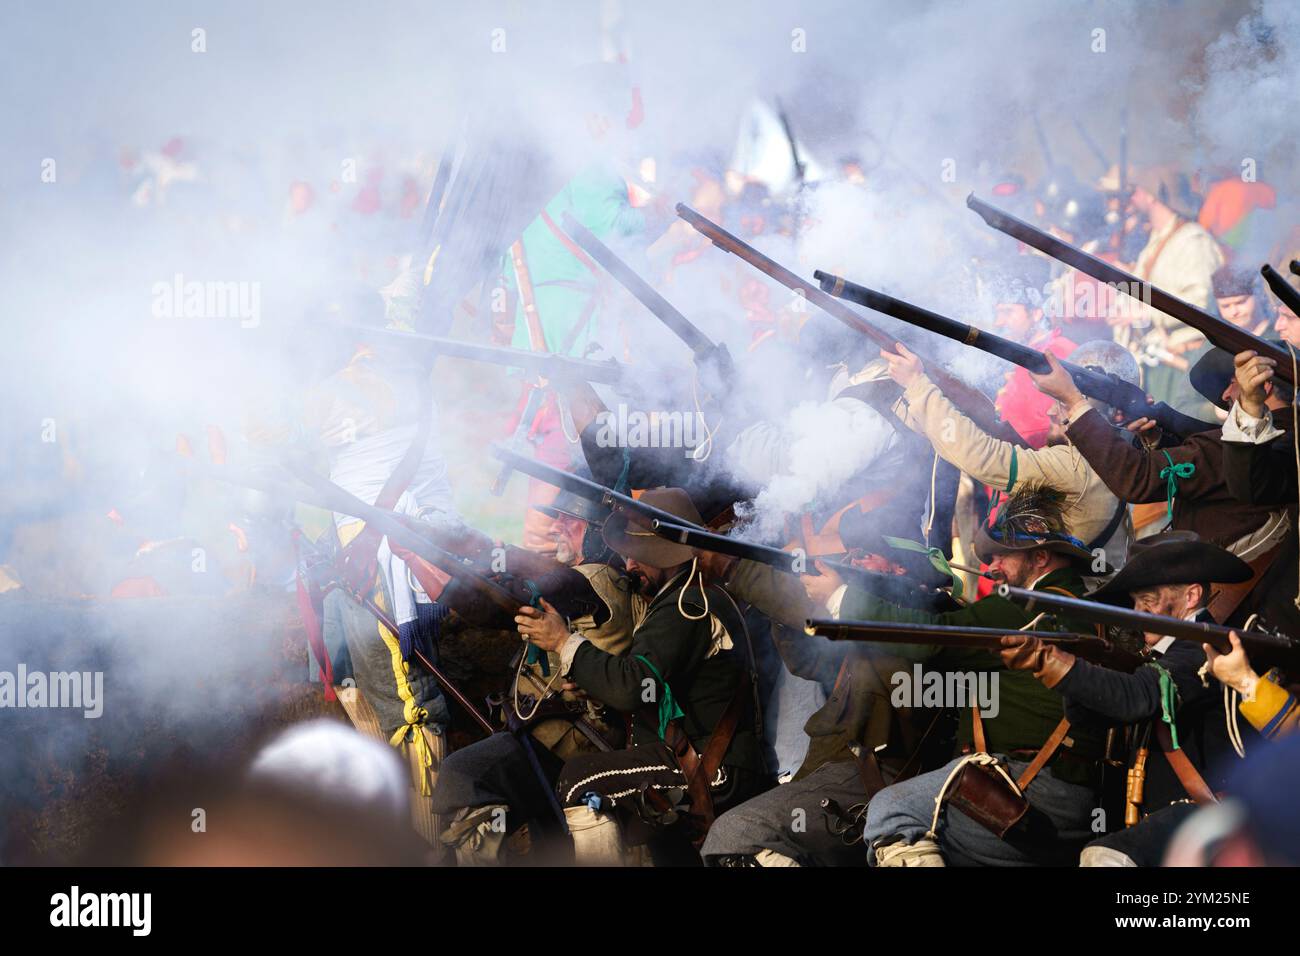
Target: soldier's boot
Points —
{"points": [[477, 835], [892, 851], [1104, 856], [597, 840], [772, 858]]}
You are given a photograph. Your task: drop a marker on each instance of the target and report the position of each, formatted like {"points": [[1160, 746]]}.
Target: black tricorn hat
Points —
{"points": [[1175, 557], [1211, 374], [1213, 371]]}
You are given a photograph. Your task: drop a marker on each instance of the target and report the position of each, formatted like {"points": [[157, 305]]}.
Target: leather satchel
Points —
{"points": [[988, 798], [985, 791]]}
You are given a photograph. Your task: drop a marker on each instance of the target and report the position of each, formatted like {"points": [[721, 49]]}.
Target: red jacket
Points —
{"points": [[1023, 406]]}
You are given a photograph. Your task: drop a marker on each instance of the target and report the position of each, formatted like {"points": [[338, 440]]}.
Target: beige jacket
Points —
{"points": [[1089, 504], [1181, 266]]}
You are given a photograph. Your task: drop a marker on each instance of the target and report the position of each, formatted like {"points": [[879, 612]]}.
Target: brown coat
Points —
{"points": [[1202, 503]]}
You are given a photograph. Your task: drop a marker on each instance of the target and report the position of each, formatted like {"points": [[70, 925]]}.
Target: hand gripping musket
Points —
{"points": [[1132, 402], [548, 365], [1216, 635], [1225, 335], [1090, 647], [971, 401], [711, 358]]}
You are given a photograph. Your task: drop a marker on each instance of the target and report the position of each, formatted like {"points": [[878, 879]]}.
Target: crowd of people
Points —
{"points": [[669, 702]]}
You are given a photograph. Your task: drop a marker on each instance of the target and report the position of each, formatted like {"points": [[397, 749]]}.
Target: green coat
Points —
{"points": [[1028, 711], [678, 649]]}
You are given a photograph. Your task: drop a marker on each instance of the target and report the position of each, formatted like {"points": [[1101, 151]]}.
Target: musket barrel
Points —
{"points": [[586, 488], [738, 247], [1223, 334], [682, 327], [1281, 288], [720, 543], [842, 288], [973, 402], [1130, 399], [1213, 634], [547, 364], [893, 633]]}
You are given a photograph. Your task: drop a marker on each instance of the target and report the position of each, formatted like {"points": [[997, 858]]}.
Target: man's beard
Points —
{"points": [[564, 552], [638, 582], [1019, 579]]}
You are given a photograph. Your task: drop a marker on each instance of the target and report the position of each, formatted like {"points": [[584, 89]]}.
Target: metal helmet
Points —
{"points": [[1110, 357], [1102, 355]]}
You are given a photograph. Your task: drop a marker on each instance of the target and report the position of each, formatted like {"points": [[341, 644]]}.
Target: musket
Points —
{"points": [[448, 685], [1201, 632], [674, 528], [330, 496], [708, 354], [548, 365], [1281, 288], [1223, 334], [583, 487], [1090, 647], [892, 587], [972, 401], [1103, 386], [323, 493]]}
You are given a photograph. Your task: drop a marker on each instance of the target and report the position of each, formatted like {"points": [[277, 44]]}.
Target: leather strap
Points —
{"points": [[574, 249], [816, 543], [1112, 526], [1188, 775], [1228, 597], [699, 770], [1044, 754], [873, 780], [1155, 256]]}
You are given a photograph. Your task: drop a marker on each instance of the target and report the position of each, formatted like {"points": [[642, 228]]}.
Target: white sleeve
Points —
{"points": [[835, 600], [568, 649], [1247, 429]]}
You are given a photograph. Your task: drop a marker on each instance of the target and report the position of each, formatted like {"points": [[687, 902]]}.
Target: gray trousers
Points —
{"points": [[1051, 833], [789, 820], [374, 671]]}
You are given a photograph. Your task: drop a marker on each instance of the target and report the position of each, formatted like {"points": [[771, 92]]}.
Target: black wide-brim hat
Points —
{"points": [[1211, 374], [1214, 370], [1177, 557]]}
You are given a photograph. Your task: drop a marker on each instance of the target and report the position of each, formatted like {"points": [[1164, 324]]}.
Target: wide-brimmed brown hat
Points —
{"points": [[1175, 557], [630, 535]]}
